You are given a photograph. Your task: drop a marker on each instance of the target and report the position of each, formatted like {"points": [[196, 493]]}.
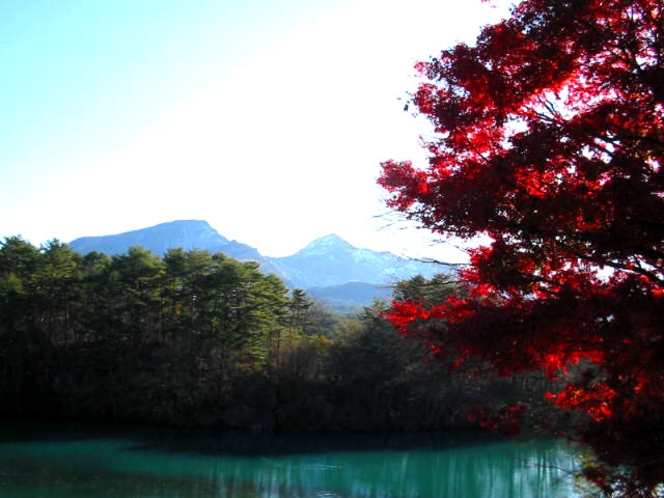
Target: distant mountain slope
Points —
{"points": [[348, 297], [328, 262]]}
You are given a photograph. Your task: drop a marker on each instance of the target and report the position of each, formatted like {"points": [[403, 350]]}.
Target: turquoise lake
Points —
{"points": [[74, 461]]}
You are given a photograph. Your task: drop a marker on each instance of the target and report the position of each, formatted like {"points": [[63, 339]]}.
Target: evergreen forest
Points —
{"points": [[197, 339]]}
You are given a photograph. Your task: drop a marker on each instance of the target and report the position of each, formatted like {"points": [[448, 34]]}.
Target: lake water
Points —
{"points": [[68, 462]]}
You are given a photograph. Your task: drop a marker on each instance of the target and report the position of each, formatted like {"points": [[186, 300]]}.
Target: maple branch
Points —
{"points": [[652, 277], [640, 138]]}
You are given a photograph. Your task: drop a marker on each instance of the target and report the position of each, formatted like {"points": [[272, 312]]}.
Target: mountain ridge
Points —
{"points": [[328, 261]]}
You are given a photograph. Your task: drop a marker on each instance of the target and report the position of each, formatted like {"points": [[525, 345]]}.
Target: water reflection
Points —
{"points": [[149, 464]]}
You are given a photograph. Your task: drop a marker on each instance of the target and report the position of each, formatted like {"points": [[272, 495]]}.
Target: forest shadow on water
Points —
{"points": [[80, 460]]}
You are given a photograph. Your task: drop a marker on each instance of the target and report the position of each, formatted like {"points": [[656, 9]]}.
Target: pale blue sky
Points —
{"points": [[266, 118]]}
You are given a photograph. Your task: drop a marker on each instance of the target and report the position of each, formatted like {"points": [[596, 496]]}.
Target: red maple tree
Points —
{"points": [[548, 141]]}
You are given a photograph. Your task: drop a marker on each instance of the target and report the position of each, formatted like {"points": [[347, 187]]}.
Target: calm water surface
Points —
{"points": [[73, 462]]}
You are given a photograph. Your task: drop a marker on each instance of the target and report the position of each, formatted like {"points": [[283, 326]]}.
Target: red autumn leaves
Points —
{"points": [[549, 141]]}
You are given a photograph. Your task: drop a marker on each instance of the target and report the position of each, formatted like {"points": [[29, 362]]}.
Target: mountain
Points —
{"points": [[328, 268], [187, 234], [331, 260]]}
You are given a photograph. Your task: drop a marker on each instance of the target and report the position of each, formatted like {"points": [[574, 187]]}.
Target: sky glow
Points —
{"points": [[266, 119]]}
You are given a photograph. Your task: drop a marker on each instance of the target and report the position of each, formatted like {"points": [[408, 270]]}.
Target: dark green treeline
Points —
{"points": [[200, 339]]}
